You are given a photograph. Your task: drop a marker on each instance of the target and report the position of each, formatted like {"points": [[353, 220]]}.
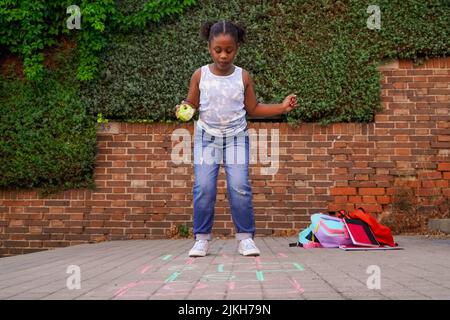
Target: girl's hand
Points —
{"points": [[289, 103], [177, 107]]}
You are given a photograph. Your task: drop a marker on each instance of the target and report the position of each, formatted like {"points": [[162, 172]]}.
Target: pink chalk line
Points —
{"points": [[297, 286], [258, 262], [231, 285], [201, 286], [283, 255], [190, 261], [123, 290], [146, 268]]}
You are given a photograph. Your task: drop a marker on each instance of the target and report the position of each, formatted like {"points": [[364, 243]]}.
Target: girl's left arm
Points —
{"points": [[256, 109]]}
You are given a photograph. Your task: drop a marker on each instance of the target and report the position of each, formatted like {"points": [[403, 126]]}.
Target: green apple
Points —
{"points": [[185, 112]]}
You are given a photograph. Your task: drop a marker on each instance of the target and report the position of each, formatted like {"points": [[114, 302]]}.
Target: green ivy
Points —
{"points": [[47, 140], [320, 50], [28, 26]]}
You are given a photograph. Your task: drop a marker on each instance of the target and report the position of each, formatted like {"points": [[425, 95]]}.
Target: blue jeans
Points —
{"points": [[209, 152]]}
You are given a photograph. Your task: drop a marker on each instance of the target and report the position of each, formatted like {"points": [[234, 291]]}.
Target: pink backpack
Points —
{"points": [[330, 231]]}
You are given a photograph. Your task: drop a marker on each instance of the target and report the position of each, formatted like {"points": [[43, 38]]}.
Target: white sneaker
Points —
{"points": [[200, 248], [247, 247]]}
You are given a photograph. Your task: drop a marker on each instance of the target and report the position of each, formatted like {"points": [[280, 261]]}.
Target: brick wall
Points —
{"points": [[142, 193]]}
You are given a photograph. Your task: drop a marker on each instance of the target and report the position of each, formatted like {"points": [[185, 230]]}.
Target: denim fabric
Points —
{"points": [[233, 152]]}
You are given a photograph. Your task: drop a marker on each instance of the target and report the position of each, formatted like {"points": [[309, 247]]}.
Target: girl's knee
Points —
{"points": [[240, 187], [204, 186]]}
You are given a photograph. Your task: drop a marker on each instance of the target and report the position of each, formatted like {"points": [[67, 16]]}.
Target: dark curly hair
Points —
{"points": [[209, 30]]}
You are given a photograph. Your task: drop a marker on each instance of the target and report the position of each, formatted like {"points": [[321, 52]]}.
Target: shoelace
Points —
{"points": [[200, 244], [249, 244]]}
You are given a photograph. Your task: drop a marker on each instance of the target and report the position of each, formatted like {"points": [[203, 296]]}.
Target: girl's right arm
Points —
{"points": [[193, 98]]}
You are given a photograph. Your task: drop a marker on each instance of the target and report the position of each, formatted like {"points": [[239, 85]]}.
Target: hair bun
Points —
{"points": [[211, 29], [206, 29], [241, 32]]}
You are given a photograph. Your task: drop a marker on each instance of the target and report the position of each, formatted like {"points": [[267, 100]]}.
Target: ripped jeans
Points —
{"points": [[209, 152]]}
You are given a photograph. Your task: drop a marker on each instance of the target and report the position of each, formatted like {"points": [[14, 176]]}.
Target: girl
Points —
{"points": [[224, 93]]}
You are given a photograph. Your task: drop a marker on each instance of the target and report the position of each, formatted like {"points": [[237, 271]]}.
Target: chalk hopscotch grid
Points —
{"points": [[246, 275]]}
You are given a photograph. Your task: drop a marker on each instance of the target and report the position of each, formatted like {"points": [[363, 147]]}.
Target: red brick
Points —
{"points": [[441, 183], [443, 166], [372, 208], [368, 199], [429, 175], [371, 191], [444, 79], [341, 191], [405, 64], [429, 192], [428, 184], [383, 199], [341, 199], [336, 207], [354, 199]]}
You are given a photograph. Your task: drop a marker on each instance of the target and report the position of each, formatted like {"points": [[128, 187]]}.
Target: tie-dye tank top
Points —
{"points": [[221, 109]]}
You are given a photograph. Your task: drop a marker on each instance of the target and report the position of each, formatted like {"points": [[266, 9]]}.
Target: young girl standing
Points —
{"points": [[224, 93]]}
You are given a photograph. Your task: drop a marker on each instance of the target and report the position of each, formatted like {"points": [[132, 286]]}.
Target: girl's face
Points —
{"points": [[223, 50]]}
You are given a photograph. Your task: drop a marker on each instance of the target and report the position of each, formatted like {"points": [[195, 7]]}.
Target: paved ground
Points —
{"points": [[161, 269]]}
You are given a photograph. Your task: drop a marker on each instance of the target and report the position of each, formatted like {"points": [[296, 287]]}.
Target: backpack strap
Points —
{"points": [[295, 244], [342, 214], [339, 214]]}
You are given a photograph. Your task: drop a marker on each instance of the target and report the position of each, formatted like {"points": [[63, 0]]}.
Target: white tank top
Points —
{"points": [[222, 111]]}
